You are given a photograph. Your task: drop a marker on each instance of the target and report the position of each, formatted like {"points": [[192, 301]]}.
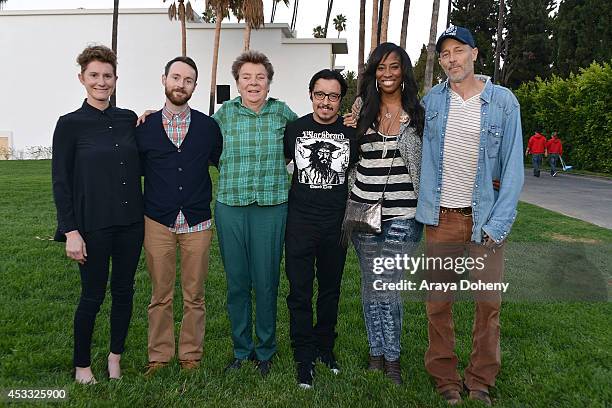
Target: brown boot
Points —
{"points": [[375, 363], [393, 371]]}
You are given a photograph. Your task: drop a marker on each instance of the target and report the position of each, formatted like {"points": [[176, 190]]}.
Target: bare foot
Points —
{"points": [[84, 375], [114, 366]]}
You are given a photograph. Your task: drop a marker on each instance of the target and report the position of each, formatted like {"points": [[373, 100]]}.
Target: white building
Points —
{"points": [[38, 70]]}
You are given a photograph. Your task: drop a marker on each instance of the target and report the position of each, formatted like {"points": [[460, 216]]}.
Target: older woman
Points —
{"points": [[251, 207], [97, 191], [389, 129]]}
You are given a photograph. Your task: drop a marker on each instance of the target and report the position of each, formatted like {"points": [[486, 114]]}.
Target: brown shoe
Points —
{"points": [[375, 363], [393, 371], [452, 397], [188, 365], [153, 366], [481, 396]]}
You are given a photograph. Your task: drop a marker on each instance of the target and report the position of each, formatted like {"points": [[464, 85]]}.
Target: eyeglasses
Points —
{"points": [[333, 97]]}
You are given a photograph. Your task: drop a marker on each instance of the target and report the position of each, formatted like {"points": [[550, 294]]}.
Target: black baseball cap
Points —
{"points": [[460, 34]]}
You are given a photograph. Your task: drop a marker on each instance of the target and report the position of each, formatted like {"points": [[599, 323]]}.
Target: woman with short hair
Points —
{"points": [[97, 191], [251, 208]]}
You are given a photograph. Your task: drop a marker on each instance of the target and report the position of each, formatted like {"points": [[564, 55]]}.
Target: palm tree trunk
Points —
{"points": [[500, 28], [330, 4], [404, 31], [431, 47], [360, 64], [183, 28], [247, 37], [374, 37], [113, 98], [448, 12], [385, 21], [215, 61], [294, 17], [274, 4]]}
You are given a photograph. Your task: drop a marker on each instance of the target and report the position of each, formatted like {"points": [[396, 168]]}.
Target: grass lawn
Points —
{"points": [[556, 354]]}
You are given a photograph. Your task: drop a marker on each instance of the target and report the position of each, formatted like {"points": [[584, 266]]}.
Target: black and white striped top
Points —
{"points": [[372, 169], [461, 143]]}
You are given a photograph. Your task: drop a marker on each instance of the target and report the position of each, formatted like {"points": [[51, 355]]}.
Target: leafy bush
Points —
{"points": [[579, 109]]}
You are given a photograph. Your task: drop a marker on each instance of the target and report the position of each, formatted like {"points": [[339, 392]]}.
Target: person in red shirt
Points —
{"points": [[554, 150], [536, 147]]}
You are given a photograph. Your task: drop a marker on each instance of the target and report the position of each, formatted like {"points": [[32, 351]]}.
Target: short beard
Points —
{"points": [[176, 100]]}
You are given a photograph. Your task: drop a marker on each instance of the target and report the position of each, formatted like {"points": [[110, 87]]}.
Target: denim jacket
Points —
{"points": [[500, 157]]}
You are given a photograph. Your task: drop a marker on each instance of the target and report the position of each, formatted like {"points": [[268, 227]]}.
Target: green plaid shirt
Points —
{"points": [[252, 165]]}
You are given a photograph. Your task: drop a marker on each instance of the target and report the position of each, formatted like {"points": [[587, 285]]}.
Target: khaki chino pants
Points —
{"points": [[160, 248]]}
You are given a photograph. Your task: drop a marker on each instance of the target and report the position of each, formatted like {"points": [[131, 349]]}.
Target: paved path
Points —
{"points": [[586, 198]]}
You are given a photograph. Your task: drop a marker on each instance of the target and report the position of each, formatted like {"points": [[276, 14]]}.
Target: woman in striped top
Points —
{"points": [[389, 120]]}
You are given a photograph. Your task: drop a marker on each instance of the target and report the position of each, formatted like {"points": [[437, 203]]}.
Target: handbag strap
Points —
{"points": [[388, 174]]}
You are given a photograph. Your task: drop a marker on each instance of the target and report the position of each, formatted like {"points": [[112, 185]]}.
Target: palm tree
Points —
{"points": [[182, 13], [221, 8], [113, 98], [448, 13], [253, 19], [2, 3], [318, 32], [360, 65], [498, 40], [294, 16], [374, 36], [330, 4], [274, 4], [209, 15], [431, 47], [384, 21], [404, 31], [339, 25]]}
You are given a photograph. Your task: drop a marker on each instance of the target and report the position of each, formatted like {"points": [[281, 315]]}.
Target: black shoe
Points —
{"points": [[263, 366], [305, 373], [328, 358], [235, 364]]}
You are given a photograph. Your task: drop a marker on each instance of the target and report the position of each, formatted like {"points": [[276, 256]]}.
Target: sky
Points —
{"points": [[310, 14]]}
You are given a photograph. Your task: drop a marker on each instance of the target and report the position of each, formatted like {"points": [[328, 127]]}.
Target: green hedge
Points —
{"points": [[579, 108]]}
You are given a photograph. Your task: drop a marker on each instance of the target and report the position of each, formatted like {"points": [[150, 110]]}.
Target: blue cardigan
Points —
{"points": [[177, 178]]}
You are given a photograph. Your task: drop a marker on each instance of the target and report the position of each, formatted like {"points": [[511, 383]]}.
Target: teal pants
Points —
{"points": [[251, 243]]}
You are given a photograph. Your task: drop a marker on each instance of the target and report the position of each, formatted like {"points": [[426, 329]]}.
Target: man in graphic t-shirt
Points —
{"points": [[322, 149]]}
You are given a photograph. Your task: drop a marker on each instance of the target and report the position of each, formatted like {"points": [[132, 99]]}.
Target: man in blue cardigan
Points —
{"points": [[176, 145]]}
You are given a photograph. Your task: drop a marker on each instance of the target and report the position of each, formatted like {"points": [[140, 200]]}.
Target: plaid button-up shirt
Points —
{"points": [[252, 165], [177, 126]]}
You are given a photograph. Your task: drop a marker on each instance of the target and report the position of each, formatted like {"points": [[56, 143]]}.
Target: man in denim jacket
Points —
{"points": [[472, 174]]}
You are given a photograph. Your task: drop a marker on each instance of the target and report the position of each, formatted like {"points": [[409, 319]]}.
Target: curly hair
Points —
{"points": [[371, 97], [254, 57], [97, 53]]}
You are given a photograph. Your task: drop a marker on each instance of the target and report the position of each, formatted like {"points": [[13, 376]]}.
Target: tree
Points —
{"points": [[253, 18], [582, 34], [183, 14], [339, 25], [480, 16], [209, 15], [528, 47], [351, 92], [318, 32], [384, 21], [114, 32], [419, 70], [498, 39], [221, 8], [274, 4], [360, 54], [449, 10], [404, 31], [294, 15], [374, 36], [2, 3], [431, 47], [330, 4]]}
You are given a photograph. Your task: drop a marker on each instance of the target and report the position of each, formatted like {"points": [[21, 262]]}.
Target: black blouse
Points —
{"points": [[96, 170]]}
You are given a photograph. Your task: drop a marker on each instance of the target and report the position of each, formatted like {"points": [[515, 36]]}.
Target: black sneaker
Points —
{"points": [[263, 366], [305, 373], [328, 358], [235, 364]]}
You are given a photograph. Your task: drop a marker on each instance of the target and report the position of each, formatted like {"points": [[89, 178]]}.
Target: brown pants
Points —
{"points": [[160, 249], [451, 238]]}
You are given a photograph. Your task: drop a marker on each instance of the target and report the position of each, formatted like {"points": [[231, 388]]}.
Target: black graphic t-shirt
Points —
{"points": [[322, 155]]}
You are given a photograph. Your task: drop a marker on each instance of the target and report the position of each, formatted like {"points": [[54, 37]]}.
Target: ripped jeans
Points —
{"points": [[382, 309]]}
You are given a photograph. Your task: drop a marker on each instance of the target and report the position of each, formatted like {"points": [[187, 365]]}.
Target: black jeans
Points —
{"points": [[123, 245], [307, 243]]}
